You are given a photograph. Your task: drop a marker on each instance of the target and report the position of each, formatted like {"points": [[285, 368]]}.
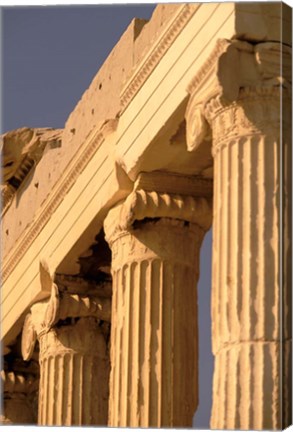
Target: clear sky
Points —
{"points": [[49, 57]]}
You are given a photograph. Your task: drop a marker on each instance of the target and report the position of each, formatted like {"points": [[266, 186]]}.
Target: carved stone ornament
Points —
{"points": [[61, 305], [13, 382], [256, 112], [142, 204], [233, 69], [19, 381], [65, 305], [21, 149], [29, 338], [23, 145], [46, 276], [273, 60]]}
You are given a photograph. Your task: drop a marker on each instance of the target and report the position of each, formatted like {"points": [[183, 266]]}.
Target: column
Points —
{"points": [[155, 237], [74, 361], [250, 328], [19, 384]]}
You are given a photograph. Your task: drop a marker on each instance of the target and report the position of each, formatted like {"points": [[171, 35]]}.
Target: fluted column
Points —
{"points": [[250, 328], [74, 361], [18, 384], [155, 239]]}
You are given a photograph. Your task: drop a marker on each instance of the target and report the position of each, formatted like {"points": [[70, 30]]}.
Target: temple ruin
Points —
{"points": [[187, 125]]}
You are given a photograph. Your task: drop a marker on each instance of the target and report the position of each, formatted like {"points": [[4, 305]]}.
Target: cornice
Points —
{"points": [[74, 169], [155, 54]]}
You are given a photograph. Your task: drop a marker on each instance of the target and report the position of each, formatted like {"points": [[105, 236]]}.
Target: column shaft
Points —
{"points": [[73, 356], [248, 338], [154, 329], [241, 104], [74, 369]]}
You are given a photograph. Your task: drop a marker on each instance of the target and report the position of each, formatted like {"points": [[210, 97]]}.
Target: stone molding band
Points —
{"points": [[153, 58]]}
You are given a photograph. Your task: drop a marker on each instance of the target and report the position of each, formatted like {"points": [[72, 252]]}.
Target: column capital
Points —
{"points": [[19, 380], [72, 328], [61, 306], [234, 70], [162, 195]]}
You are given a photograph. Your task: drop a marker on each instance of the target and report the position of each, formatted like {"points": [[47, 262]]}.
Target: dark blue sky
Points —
{"points": [[50, 55]]}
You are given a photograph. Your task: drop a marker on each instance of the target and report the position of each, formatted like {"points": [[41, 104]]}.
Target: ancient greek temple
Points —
{"points": [[186, 126]]}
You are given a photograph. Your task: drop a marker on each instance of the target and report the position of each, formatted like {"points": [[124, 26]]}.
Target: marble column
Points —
{"points": [[74, 361], [155, 237], [19, 383], [250, 309]]}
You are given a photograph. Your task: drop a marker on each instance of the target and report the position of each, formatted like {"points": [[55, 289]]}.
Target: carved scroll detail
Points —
{"points": [[29, 338], [142, 204], [64, 305], [44, 315], [21, 150], [235, 71]]}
